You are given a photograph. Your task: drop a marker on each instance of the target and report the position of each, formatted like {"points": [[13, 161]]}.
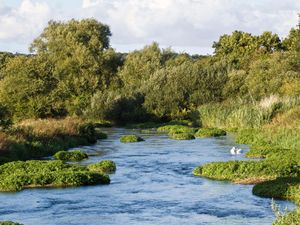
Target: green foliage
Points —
{"points": [[131, 138], [39, 138], [182, 136], [280, 188], [290, 218], [176, 129], [18, 175], [70, 155], [210, 132], [240, 170], [105, 166], [99, 134]]}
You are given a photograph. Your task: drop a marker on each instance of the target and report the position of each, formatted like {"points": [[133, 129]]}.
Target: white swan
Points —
{"points": [[235, 151]]}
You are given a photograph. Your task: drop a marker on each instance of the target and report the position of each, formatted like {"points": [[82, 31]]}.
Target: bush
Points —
{"points": [[105, 166], [131, 138], [70, 155], [210, 132], [15, 176]]}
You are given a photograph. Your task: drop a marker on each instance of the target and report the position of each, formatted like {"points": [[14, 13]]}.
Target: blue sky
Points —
{"points": [[185, 25]]}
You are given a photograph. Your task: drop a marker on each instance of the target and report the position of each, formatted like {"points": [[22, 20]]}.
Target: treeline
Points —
{"points": [[72, 70]]}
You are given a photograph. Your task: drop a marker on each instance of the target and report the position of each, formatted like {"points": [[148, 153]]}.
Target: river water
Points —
{"points": [[153, 185]]}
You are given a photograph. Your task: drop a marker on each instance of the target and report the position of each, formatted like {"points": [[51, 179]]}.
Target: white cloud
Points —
{"points": [[24, 22], [189, 23], [182, 24], [89, 3]]}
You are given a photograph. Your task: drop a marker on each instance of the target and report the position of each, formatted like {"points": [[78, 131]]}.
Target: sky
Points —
{"points": [[184, 25]]}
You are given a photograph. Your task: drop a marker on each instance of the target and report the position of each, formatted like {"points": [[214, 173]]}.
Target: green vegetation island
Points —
{"points": [[73, 83]]}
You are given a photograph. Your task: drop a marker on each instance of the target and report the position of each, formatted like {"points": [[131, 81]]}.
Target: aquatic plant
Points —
{"points": [[15, 176], [70, 155], [176, 129], [182, 136], [131, 138], [210, 132], [105, 166]]}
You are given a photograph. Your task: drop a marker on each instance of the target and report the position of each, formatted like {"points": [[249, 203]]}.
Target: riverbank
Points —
{"points": [[277, 175], [33, 139]]}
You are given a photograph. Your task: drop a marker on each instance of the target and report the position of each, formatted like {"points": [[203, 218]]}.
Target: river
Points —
{"points": [[153, 185]]}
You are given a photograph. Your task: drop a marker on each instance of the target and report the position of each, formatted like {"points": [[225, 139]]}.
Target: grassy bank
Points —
{"points": [[273, 133], [39, 138]]}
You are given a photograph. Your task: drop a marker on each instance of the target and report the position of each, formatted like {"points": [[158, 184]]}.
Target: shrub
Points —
{"points": [[70, 155], [131, 138], [210, 132], [105, 166], [182, 136]]}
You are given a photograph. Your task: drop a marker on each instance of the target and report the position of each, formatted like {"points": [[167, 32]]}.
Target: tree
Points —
{"points": [[139, 66], [80, 57]]}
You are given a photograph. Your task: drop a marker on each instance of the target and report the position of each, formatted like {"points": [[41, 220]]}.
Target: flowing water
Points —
{"points": [[153, 185]]}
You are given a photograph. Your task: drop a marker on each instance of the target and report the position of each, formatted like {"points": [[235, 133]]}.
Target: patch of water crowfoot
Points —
{"points": [[15, 176], [131, 138], [105, 166], [176, 129], [182, 136], [70, 155], [210, 132]]}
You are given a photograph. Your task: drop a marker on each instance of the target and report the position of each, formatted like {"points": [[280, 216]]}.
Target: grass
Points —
{"points": [[131, 138], [70, 155], [32, 139], [105, 166], [210, 132], [182, 136], [18, 175]]}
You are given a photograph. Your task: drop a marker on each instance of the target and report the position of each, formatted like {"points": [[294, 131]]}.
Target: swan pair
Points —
{"points": [[235, 151]]}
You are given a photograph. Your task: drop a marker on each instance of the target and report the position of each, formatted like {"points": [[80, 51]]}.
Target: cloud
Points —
{"points": [[183, 24], [190, 23], [24, 22], [89, 3]]}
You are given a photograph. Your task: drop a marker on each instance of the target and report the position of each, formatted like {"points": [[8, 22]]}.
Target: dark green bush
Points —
{"points": [[70, 155], [131, 138], [105, 166]]}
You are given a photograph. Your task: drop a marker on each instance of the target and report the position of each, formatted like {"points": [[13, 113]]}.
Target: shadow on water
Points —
{"points": [[153, 185]]}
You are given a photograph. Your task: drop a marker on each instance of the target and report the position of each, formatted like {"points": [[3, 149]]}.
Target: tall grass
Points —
{"points": [[38, 138], [236, 115]]}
